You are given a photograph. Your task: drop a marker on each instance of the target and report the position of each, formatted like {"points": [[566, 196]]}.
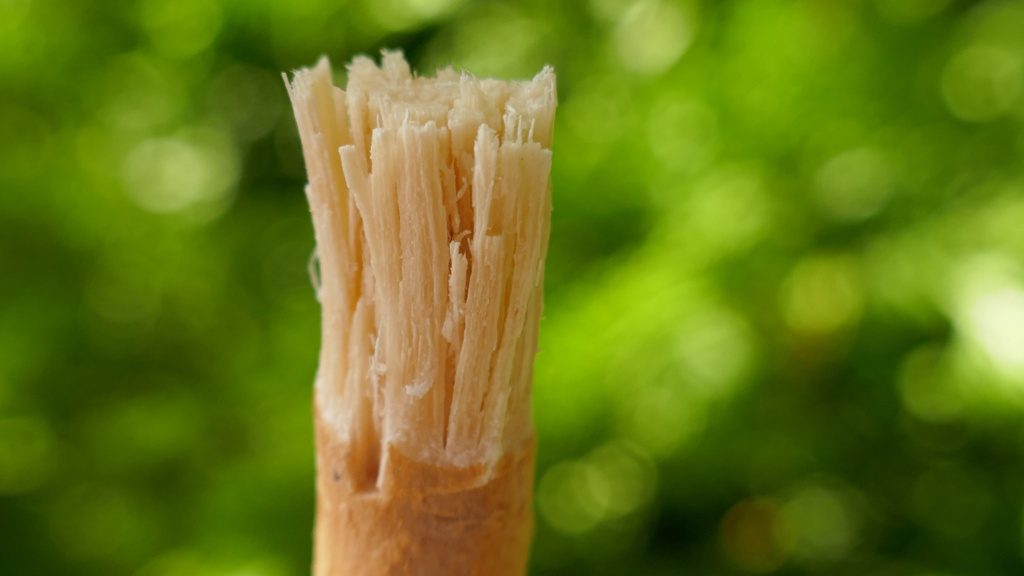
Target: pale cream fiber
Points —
{"points": [[431, 203]]}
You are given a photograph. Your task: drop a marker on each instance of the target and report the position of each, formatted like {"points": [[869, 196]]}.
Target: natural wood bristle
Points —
{"points": [[431, 202]]}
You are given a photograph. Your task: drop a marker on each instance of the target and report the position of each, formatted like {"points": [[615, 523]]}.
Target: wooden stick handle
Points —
{"points": [[416, 524]]}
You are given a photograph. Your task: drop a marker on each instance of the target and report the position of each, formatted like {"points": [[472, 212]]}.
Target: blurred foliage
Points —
{"points": [[785, 322]]}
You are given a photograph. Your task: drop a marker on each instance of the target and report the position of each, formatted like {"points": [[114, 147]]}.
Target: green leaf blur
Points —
{"points": [[785, 319]]}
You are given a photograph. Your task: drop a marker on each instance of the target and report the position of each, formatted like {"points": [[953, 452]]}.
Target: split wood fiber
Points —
{"points": [[431, 203]]}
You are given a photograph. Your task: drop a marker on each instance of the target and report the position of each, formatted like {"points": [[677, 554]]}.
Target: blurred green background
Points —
{"points": [[785, 321]]}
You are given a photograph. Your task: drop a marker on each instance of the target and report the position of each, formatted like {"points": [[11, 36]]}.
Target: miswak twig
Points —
{"points": [[431, 203]]}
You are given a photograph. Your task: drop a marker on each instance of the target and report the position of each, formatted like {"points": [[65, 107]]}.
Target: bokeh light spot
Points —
{"points": [[907, 274], [727, 212], [716, 349], [501, 42], [683, 133], [97, 522], [630, 476], [664, 420], [927, 387], [123, 301], [854, 185], [996, 320], [614, 480], [573, 497], [747, 534], [136, 434], [988, 312], [27, 454], [818, 523], [181, 28], [433, 8], [652, 35], [26, 141], [196, 170], [982, 83], [609, 10], [823, 294], [406, 14]]}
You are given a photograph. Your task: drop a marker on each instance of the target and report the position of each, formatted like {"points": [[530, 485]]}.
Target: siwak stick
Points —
{"points": [[431, 203]]}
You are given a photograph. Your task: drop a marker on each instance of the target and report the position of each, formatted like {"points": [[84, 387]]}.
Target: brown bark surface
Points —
{"points": [[424, 520]]}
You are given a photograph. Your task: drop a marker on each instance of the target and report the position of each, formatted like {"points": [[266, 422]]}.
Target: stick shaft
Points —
{"points": [[482, 530]]}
